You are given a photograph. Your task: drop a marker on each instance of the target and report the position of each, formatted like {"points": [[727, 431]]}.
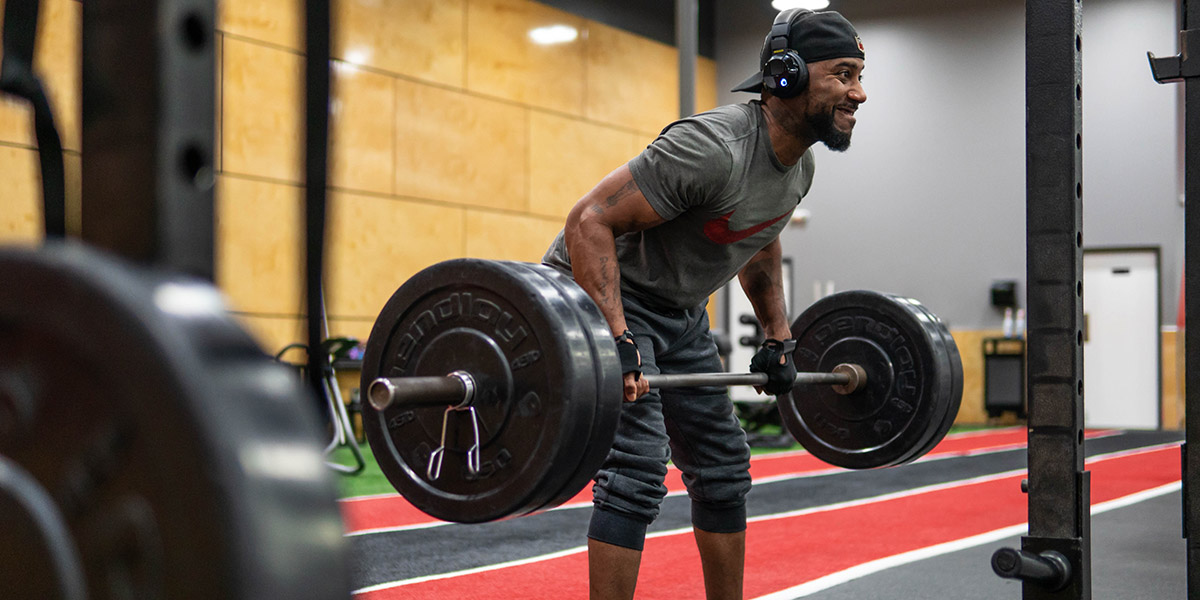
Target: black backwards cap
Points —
{"points": [[815, 36]]}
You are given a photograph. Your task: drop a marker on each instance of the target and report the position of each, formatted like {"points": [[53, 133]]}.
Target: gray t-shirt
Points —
{"points": [[724, 194]]}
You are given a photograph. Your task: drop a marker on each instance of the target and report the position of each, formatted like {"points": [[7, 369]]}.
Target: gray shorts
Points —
{"points": [[695, 427]]}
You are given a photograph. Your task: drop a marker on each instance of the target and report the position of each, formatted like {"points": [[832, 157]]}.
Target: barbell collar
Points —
{"points": [[457, 388]]}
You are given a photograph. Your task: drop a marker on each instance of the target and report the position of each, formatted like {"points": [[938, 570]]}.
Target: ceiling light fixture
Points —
{"points": [[809, 4], [553, 34]]}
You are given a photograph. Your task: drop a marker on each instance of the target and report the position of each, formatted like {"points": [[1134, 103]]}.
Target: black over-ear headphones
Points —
{"points": [[783, 71]]}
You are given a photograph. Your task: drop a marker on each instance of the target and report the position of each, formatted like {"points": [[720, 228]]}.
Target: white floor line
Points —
{"points": [[778, 478], [875, 566]]}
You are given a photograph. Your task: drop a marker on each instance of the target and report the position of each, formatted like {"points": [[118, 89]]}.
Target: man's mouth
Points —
{"points": [[848, 112]]}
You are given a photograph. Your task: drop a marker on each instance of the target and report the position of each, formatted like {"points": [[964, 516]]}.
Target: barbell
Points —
{"points": [[493, 388], [458, 387]]}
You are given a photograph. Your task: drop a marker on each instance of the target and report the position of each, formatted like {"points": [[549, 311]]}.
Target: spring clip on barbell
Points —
{"points": [[434, 470]]}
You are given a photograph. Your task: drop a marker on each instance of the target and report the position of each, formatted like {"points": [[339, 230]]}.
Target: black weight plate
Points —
{"points": [[608, 383], [584, 395], [536, 397], [944, 372], [945, 376], [908, 385], [956, 372], [149, 448]]}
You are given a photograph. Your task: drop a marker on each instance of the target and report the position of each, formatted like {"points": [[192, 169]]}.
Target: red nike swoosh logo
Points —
{"points": [[719, 232]]}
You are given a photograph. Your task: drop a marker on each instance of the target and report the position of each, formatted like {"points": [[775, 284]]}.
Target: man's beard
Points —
{"points": [[835, 139]]}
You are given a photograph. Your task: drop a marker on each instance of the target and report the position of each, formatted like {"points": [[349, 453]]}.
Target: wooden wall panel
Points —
{"points": [[460, 148], [504, 61], [375, 244], [277, 22], [260, 264], [362, 136], [567, 158], [423, 39], [261, 111], [706, 84], [73, 179], [632, 82], [1172, 379], [508, 237], [970, 348], [21, 202], [452, 135]]}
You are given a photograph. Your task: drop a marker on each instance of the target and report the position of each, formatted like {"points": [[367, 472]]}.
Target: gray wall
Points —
{"points": [[930, 199]]}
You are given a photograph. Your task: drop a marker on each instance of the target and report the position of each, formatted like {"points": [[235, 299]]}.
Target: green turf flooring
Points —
{"points": [[371, 480]]}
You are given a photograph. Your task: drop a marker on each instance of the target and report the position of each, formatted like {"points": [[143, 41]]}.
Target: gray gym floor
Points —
{"points": [[1137, 554]]}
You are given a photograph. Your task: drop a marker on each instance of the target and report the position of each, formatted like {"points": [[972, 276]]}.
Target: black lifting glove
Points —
{"points": [[627, 351], [780, 377]]}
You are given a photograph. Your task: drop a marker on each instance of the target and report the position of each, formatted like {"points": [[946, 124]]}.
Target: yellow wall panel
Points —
{"points": [[279, 22], [261, 112], [706, 84], [21, 203], [376, 244], [1172, 379], [57, 60], [632, 81], [504, 61], [260, 263], [460, 148], [417, 38], [218, 50], [508, 237], [361, 130], [567, 158], [73, 196], [970, 349]]}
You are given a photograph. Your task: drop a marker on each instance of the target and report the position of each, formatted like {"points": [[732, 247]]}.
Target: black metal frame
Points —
{"points": [[149, 92], [1059, 491], [1055, 558], [1185, 68]]}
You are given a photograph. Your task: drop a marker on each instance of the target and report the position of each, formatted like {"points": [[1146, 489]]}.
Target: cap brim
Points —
{"points": [[752, 84]]}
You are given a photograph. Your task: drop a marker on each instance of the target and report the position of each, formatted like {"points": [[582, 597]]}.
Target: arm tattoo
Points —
{"points": [[628, 188]]}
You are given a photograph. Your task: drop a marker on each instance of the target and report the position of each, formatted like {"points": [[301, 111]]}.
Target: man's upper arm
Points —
{"points": [[617, 203]]}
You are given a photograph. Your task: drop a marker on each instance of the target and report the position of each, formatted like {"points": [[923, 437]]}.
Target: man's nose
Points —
{"points": [[857, 93]]}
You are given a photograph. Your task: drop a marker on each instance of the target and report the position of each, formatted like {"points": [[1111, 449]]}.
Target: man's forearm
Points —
{"points": [[593, 252], [762, 280]]}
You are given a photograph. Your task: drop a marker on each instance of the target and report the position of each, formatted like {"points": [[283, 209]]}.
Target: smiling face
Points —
{"points": [[828, 105]]}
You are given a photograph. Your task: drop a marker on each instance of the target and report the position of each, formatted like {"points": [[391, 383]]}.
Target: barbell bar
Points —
{"points": [[457, 388]]}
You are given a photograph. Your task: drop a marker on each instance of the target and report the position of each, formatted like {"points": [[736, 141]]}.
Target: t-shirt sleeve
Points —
{"points": [[685, 167]]}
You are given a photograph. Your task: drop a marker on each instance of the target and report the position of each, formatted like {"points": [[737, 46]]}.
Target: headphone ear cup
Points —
{"points": [[801, 77], [785, 75]]}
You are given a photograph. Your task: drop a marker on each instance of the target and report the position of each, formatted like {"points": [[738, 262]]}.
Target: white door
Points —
{"points": [[1121, 339]]}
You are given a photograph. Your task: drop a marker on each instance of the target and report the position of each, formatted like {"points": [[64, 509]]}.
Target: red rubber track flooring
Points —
{"points": [[789, 549]]}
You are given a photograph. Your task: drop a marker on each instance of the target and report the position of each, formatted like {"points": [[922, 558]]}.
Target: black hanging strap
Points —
{"points": [[316, 77], [18, 78]]}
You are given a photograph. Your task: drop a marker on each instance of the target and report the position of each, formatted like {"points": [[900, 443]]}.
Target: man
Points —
{"points": [[704, 202]]}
